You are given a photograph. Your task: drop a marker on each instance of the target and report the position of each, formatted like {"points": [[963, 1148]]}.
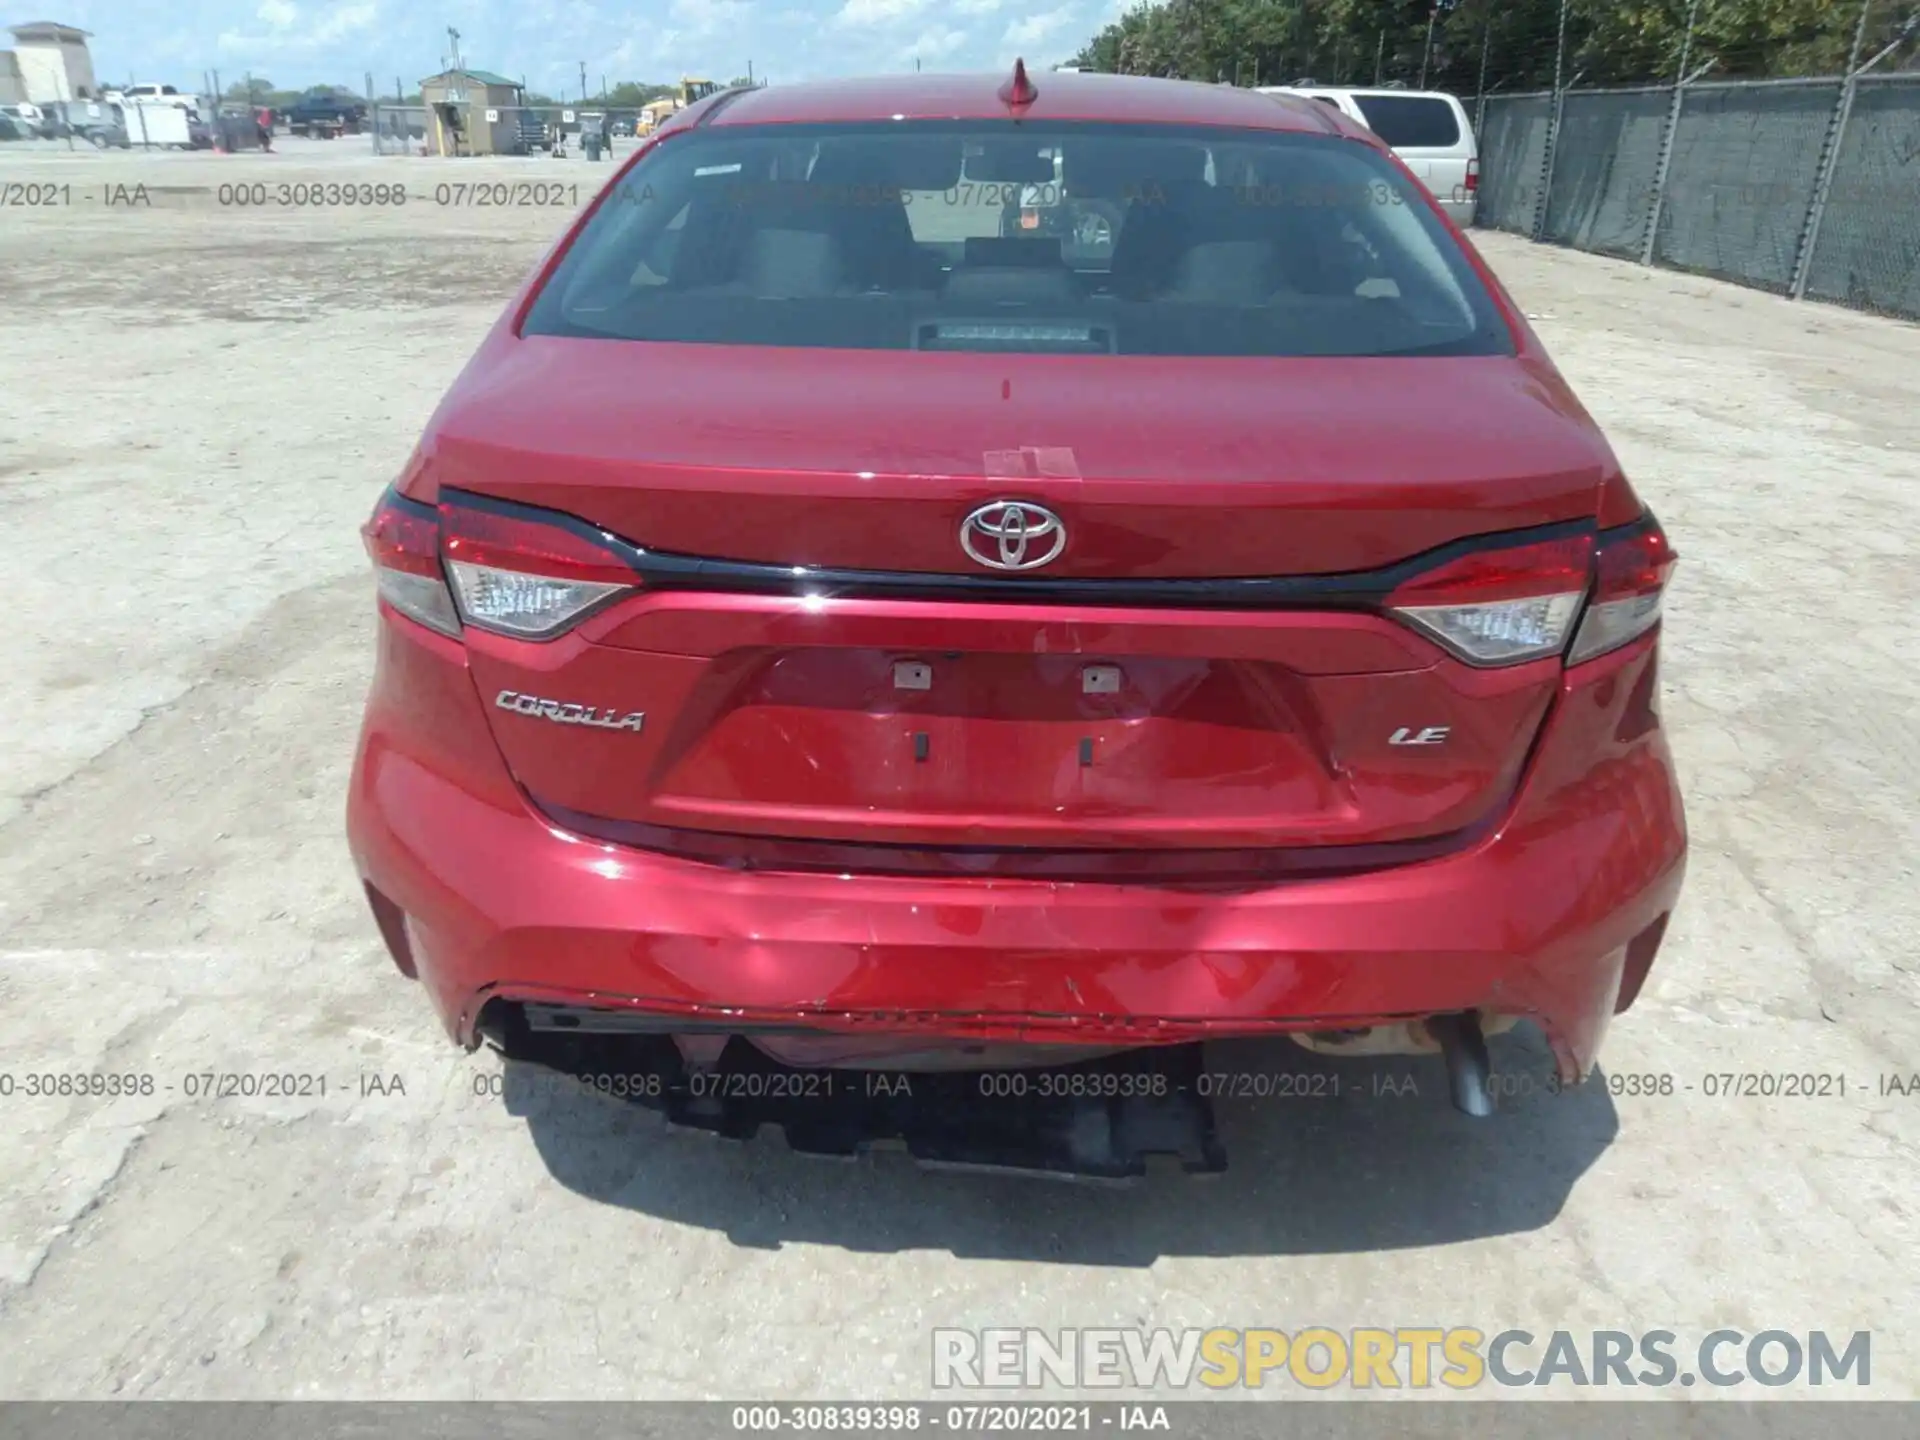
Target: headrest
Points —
{"points": [[1124, 169], [787, 205], [899, 162], [791, 264]]}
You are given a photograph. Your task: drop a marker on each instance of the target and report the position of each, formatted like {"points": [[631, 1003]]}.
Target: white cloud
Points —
{"points": [[705, 17], [935, 43], [1036, 29], [976, 7], [344, 20], [284, 38], [877, 12]]}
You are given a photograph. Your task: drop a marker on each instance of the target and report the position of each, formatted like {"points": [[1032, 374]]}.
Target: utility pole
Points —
{"points": [[1426, 51], [453, 39], [1379, 54], [583, 82], [750, 80]]}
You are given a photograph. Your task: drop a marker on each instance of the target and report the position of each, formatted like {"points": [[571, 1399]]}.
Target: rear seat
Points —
{"points": [[1221, 247], [796, 240]]}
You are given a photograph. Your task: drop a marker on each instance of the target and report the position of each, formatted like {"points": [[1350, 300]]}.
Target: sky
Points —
{"points": [[297, 43]]}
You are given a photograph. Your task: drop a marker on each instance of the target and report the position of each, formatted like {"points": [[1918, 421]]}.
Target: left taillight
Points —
{"points": [[531, 574], [1501, 606], [403, 540]]}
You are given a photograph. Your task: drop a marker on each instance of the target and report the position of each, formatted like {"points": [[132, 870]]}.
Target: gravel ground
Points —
{"points": [[202, 401]]}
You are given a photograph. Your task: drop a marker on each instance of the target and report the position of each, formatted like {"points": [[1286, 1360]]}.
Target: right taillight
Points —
{"points": [[1632, 568], [1473, 177]]}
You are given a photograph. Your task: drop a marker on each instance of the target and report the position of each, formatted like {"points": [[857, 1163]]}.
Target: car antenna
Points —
{"points": [[1019, 92]]}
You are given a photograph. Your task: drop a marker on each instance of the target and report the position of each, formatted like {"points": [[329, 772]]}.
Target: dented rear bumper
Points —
{"points": [[1553, 914]]}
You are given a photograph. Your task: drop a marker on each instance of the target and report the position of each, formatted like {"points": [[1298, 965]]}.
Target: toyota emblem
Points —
{"points": [[1013, 535]]}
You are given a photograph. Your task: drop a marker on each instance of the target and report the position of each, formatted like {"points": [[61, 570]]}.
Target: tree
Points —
{"points": [[1608, 41], [632, 94]]}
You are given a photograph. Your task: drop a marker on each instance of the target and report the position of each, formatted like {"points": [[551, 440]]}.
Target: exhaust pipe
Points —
{"points": [[1464, 1048]]}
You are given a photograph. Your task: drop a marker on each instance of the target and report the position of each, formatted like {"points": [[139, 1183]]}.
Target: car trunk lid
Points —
{"points": [[912, 697]]}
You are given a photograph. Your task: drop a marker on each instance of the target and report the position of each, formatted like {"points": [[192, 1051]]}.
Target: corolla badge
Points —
{"points": [[569, 714], [1013, 535]]}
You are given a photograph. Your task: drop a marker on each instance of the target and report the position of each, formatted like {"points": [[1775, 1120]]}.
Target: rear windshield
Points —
{"points": [[990, 236], [1411, 122]]}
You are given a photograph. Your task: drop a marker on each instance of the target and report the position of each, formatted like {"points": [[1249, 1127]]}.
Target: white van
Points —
{"points": [[1427, 129]]}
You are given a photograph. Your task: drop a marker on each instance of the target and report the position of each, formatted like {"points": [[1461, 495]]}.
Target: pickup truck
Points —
{"points": [[325, 116]]}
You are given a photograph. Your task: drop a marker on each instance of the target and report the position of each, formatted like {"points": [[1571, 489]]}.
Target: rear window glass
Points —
{"points": [[1409, 122], [1092, 239]]}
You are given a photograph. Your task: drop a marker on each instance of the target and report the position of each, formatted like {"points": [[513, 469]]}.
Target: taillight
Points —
{"points": [[1504, 606], [1632, 573], [527, 573], [1473, 176], [403, 540]]}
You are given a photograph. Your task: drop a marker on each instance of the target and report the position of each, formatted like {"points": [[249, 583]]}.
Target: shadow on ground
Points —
{"points": [[1386, 1164]]}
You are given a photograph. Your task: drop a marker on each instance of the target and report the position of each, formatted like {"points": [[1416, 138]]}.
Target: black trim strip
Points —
{"points": [[1352, 589], [1162, 866]]}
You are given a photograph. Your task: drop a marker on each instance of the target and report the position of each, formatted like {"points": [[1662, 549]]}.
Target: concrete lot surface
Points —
{"points": [[201, 403]]}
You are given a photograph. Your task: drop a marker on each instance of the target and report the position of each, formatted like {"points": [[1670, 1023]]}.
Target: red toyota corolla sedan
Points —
{"points": [[838, 616]]}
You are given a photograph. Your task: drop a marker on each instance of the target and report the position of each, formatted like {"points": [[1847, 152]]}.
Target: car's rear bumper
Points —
{"points": [[1553, 914]]}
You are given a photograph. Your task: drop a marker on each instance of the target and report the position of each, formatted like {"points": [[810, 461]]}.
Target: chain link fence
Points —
{"points": [[1606, 163], [1794, 186], [1867, 254], [1513, 156], [1746, 158]]}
